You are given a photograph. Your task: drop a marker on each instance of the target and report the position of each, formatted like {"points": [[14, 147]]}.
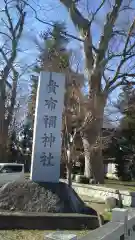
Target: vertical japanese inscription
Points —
{"points": [[49, 122], [52, 86], [46, 152], [51, 103], [48, 140], [46, 160]]}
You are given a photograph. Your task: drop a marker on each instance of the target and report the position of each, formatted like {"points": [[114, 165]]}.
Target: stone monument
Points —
{"points": [[46, 151], [45, 193]]}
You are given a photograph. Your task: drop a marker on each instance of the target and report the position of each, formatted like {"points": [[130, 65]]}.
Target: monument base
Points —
{"points": [[29, 196]]}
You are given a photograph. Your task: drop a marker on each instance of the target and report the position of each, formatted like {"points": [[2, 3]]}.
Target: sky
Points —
{"points": [[57, 12], [53, 10]]}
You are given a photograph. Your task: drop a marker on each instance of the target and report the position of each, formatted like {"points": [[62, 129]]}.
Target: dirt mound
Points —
{"points": [[41, 197]]}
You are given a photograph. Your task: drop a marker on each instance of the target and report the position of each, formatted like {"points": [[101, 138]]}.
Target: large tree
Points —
{"points": [[109, 64], [12, 25]]}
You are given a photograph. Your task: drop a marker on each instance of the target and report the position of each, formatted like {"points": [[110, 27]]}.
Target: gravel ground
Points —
{"points": [[32, 197], [29, 196], [33, 235]]}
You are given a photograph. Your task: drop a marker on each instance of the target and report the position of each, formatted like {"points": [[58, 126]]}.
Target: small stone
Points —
{"points": [[92, 181], [12, 208], [111, 203], [60, 236]]}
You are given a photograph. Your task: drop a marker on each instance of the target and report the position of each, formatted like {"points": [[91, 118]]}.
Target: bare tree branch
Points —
{"points": [[7, 35], [108, 30], [13, 98], [124, 58], [16, 37], [83, 25], [14, 32], [97, 10], [8, 16], [52, 24]]}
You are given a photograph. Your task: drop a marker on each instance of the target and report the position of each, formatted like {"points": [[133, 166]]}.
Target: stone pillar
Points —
{"points": [[121, 216], [46, 151]]}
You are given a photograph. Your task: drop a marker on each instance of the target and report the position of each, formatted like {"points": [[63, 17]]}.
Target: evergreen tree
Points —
{"points": [[123, 144], [26, 137], [53, 53], [127, 123], [122, 152]]}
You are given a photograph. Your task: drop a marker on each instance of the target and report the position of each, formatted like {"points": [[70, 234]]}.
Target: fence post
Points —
{"points": [[121, 215]]}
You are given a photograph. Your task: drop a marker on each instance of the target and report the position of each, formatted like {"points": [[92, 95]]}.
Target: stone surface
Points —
{"points": [[44, 197], [81, 179], [60, 236], [46, 152], [111, 202], [119, 215], [98, 192], [121, 227], [92, 181], [98, 205]]}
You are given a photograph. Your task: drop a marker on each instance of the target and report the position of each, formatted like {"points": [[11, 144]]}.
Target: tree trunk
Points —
{"points": [[69, 167], [88, 166], [92, 143], [94, 167], [69, 173], [3, 142], [5, 123], [2, 118]]}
